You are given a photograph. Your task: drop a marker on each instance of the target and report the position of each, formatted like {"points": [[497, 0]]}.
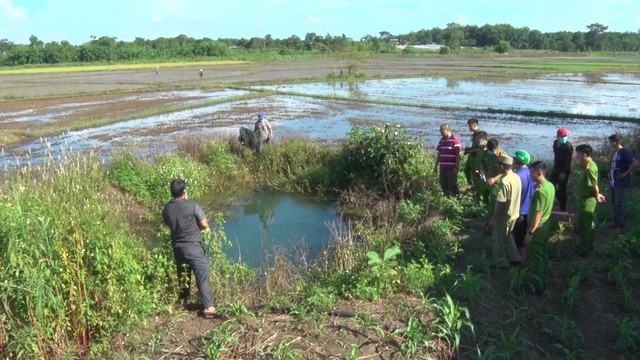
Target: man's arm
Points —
{"points": [[203, 224]]}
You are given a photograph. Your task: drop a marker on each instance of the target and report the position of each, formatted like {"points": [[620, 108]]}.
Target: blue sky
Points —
{"points": [[77, 20]]}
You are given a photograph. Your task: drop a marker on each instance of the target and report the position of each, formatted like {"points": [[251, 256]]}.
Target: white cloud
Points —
{"points": [[314, 20], [156, 18], [12, 12]]}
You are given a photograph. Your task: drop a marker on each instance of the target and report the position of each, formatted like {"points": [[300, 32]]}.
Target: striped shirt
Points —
{"points": [[448, 151]]}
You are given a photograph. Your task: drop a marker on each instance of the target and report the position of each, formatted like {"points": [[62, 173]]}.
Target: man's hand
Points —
{"points": [[601, 198], [528, 239], [455, 170], [621, 175]]}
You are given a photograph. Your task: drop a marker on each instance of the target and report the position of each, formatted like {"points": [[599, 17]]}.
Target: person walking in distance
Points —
{"points": [[185, 218], [539, 227], [562, 156], [448, 160], [588, 194], [622, 166]]}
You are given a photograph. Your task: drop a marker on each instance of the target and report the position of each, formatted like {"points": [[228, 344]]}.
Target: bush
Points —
{"points": [[503, 47], [387, 162], [149, 182], [445, 50]]}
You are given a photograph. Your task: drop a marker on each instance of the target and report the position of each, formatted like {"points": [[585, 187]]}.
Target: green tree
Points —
{"points": [[595, 35], [453, 36], [503, 47]]}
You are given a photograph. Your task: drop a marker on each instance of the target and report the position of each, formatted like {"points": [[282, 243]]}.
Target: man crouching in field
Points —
{"points": [[186, 219]]}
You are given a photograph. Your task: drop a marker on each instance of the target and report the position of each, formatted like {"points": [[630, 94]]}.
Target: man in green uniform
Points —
{"points": [[539, 227], [471, 151], [504, 217], [480, 184], [589, 196], [491, 171]]}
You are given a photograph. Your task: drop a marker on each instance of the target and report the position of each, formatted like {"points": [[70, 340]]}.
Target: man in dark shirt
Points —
{"points": [[186, 219], [622, 166], [563, 154]]}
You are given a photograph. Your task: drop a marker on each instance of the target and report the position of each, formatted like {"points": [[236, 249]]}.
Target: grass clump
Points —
{"points": [[71, 269]]}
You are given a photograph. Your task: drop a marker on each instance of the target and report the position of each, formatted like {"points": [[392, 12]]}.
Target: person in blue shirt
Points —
{"points": [[622, 166], [522, 159]]}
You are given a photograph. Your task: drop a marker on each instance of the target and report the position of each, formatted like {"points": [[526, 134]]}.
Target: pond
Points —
{"points": [[264, 223]]}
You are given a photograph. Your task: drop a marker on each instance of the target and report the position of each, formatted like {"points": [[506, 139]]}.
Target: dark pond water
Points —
{"points": [[264, 223]]}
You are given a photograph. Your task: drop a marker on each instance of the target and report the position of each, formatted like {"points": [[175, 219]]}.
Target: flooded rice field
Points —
{"points": [[330, 120], [593, 94]]}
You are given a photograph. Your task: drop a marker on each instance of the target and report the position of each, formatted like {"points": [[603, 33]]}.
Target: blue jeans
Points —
{"points": [[618, 194]]}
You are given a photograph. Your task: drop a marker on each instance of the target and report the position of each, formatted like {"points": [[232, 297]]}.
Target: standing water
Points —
{"points": [[265, 223]]}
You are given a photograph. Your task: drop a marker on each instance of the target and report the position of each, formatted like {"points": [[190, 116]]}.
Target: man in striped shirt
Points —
{"points": [[447, 160]]}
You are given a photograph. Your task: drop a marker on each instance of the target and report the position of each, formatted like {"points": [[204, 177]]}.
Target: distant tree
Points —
{"points": [[503, 47], [309, 40], [453, 36], [385, 36], [537, 40], [5, 45], [595, 35], [34, 42]]}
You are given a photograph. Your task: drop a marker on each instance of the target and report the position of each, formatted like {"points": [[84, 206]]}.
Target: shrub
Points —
{"points": [[503, 47], [445, 50], [149, 182], [386, 161]]}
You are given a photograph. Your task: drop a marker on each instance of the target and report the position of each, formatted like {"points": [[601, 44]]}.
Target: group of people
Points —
{"points": [[519, 199]]}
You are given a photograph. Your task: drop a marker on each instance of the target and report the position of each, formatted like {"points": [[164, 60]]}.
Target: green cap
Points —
{"points": [[523, 156]]}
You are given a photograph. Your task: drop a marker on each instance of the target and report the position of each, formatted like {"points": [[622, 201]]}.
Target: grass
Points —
{"points": [[114, 67]]}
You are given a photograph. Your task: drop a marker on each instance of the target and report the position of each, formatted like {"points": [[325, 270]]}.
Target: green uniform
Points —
{"points": [[491, 168], [480, 186], [504, 247], [469, 166], [542, 201], [587, 202]]}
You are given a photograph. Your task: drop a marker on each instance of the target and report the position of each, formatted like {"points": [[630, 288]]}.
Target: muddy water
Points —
{"points": [[593, 94], [262, 224], [330, 120]]}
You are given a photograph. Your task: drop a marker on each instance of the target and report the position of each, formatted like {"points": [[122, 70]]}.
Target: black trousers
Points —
{"points": [[191, 257]]}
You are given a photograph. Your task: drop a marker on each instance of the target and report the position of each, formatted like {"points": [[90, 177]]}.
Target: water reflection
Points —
{"points": [[266, 222]]}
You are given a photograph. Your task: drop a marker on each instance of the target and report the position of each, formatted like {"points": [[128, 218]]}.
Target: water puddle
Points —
{"points": [[264, 223]]}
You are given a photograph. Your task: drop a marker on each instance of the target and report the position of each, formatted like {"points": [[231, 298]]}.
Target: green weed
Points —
{"points": [[416, 337], [628, 334], [468, 285], [450, 321]]}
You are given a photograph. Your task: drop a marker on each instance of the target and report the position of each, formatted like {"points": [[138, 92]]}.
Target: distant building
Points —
{"points": [[429, 47]]}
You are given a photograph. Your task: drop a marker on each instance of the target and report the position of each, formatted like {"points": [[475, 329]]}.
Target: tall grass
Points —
{"points": [[72, 271]]}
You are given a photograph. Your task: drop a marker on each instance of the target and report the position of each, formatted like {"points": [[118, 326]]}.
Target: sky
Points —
{"points": [[77, 20]]}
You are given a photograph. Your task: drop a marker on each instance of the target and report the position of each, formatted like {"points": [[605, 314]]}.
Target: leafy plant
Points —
{"points": [[468, 285], [384, 269], [416, 338], [450, 321]]}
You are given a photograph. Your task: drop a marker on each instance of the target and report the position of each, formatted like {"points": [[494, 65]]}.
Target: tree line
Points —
{"points": [[454, 36]]}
